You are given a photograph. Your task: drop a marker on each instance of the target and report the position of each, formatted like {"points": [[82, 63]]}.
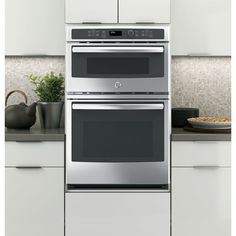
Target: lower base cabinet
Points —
{"points": [[34, 201], [116, 214], [201, 201]]}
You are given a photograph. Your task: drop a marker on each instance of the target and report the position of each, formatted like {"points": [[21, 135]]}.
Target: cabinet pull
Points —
{"points": [[206, 167], [29, 167], [34, 55], [91, 22], [199, 55], [28, 141], [145, 22]]}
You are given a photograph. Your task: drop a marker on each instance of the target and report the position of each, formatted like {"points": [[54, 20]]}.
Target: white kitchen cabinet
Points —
{"points": [[81, 11], [34, 27], [34, 189], [35, 154], [201, 188], [116, 214], [144, 11], [201, 27], [34, 202], [201, 201], [201, 153]]}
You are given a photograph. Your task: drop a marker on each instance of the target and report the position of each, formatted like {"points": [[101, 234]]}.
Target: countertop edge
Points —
{"points": [[34, 137], [206, 137]]}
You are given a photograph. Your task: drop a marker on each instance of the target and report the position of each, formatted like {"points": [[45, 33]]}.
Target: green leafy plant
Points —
{"points": [[49, 87]]}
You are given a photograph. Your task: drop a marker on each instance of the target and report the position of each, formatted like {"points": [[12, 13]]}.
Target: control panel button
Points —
{"points": [[130, 33]]}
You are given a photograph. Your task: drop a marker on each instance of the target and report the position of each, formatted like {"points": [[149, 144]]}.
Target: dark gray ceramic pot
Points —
{"points": [[50, 114]]}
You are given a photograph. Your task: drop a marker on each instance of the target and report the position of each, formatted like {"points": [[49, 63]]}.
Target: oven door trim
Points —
{"points": [[152, 84], [71, 167]]}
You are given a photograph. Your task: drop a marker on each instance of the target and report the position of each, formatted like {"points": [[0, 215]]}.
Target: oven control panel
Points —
{"points": [[113, 34]]}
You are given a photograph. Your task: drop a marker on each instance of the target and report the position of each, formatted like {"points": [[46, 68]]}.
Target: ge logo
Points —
{"points": [[118, 84]]}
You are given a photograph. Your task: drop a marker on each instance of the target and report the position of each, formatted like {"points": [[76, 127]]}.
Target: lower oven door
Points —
{"points": [[117, 143]]}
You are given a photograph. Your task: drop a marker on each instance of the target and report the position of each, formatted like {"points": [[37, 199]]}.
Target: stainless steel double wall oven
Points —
{"points": [[117, 106]]}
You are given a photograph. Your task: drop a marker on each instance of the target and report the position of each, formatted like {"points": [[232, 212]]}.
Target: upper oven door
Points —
{"points": [[118, 68], [117, 143]]}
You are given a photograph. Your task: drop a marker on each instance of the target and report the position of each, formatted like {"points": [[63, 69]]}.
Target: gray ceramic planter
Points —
{"points": [[50, 114]]}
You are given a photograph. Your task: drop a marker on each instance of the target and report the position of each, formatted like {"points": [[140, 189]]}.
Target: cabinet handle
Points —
{"points": [[28, 141], [206, 167], [199, 55], [91, 22], [144, 22], [34, 55], [29, 167]]}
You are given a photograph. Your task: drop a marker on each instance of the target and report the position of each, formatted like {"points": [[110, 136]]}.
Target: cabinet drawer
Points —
{"points": [[201, 202], [34, 154], [34, 202], [126, 214], [204, 153]]}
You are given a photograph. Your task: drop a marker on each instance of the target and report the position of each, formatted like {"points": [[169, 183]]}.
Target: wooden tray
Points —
{"points": [[205, 130]]}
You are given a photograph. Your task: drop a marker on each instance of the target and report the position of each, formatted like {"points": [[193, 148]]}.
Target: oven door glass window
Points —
{"points": [[117, 135], [117, 65]]}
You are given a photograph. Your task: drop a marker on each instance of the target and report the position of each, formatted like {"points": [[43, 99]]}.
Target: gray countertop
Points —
{"points": [[32, 135], [179, 134]]}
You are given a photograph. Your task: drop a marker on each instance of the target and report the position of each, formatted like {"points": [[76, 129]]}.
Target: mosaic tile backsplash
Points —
{"points": [[202, 82]]}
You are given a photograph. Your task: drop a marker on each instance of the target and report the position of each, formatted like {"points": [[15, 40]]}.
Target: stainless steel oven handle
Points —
{"points": [[118, 106], [117, 49]]}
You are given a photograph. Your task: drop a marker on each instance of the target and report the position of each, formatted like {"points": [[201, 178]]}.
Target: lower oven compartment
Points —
{"points": [[118, 143], [117, 213]]}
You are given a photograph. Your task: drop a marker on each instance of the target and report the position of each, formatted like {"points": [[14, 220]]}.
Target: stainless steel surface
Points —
{"points": [[118, 94], [118, 49], [161, 84], [133, 190], [118, 173], [117, 85], [86, 97], [50, 114], [69, 27], [118, 106]]}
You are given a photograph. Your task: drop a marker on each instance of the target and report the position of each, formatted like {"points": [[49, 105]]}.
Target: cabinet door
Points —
{"points": [[34, 202], [34, 27], [201, 201], [144, 11], [200, 27], [116, 214], [79, 11]]}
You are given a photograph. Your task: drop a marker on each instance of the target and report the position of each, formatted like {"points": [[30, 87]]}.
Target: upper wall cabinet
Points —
{"points": [[89, 11], [200, 27], [144, 11], [35, 27]]}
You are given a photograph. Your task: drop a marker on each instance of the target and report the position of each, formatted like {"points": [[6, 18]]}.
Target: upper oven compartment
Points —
{"points": [[118, 61]]}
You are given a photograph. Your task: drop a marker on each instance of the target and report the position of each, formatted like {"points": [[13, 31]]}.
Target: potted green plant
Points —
{"points": [[50, 91]]}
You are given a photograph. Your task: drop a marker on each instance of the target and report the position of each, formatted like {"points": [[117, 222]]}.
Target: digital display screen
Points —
{"points": [[115, 33]]}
